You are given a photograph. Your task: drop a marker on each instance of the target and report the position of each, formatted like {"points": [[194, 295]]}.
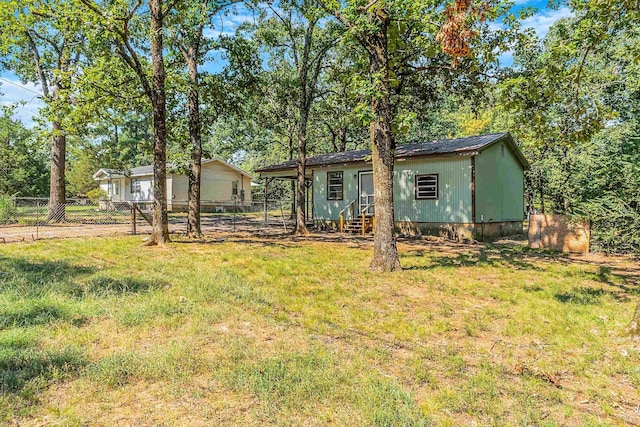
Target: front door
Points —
{"points": [[365, 189]]}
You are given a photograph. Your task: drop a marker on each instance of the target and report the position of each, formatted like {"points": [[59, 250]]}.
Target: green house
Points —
{"points": [[469, 187]]}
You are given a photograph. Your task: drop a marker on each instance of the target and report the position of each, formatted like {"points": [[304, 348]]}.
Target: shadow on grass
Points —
{"points": [[483, 256], [26, 368], [29, 278], [103, 286], [39, 312], [630, 278], [54, 270], [41, 279], [581, 296], [276, 238], [588, 296]]}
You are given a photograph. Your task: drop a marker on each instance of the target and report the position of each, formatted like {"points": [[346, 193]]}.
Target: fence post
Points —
{"points": [[235, 208], [133, 218], [266, 184], [37, 219], [284, 222]]}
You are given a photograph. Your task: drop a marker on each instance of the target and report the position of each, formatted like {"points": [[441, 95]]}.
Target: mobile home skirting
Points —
{"points": [[457, 231]]}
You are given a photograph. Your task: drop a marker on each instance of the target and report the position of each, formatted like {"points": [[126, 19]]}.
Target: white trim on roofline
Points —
{"points": [[107, 174]]}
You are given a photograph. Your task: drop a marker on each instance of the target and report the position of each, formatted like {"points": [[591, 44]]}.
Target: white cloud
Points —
{"points": [[12, 92], [225, 24], [541, 21]]}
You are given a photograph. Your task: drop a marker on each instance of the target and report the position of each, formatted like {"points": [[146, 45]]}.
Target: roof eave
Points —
{"points": [[346, 163]]}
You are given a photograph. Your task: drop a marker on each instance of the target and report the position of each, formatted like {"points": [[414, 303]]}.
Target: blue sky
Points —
{"points": [[13, 91]]}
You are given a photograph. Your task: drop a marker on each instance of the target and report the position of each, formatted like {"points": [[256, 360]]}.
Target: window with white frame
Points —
{"points": [[135, 186], [334, 185], [427, 187], [234, 188]]}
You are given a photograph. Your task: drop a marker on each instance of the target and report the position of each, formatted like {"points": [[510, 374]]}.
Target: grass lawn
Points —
{"points": [[241, 331]]}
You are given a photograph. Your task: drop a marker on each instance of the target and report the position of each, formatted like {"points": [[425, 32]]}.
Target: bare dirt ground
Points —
{"points": [[210, 224], [248, 228]]}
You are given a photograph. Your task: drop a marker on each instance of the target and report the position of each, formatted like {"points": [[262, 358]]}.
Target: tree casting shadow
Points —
{"points": [[23, 363]]}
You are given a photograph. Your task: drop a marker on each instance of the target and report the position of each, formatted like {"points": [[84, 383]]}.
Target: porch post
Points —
{"points": [[311, 197], [306, 200], [266, 184]]}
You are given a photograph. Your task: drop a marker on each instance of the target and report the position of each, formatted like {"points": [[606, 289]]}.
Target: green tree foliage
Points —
{"points": [[23, 164], [84, 161], [110, 26], [573, 102], [41, 42], [607, 188]]}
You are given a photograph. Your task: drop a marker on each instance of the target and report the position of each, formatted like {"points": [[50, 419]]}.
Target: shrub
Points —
{"points": [[96, 194], [7, 209]]}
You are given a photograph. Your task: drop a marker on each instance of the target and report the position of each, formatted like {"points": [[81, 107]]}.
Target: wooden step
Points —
{"points": [[355, 225]]}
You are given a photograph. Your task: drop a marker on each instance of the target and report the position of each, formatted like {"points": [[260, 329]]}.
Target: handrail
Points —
{"points": [[342, 214], [363, 210], [363, 214], [348, 206]]}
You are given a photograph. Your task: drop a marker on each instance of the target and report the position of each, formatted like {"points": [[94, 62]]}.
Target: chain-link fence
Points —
{"points": [[236, 215], [32, 211], [27, 218]]}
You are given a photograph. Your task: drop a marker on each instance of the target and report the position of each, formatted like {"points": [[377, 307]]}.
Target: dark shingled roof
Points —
{"points": [[457, 146]]}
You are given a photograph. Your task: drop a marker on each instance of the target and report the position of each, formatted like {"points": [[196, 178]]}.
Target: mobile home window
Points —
{"points": [[234, 188], [135, 186], [334, 185], [427, 187]]}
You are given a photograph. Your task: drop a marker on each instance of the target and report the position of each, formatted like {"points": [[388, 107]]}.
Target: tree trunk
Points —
{"points": [[342, 136], [57, 187], [385, 251], [160, 233], [634, 327], [195, 161], [293, 183], [301, 223]]}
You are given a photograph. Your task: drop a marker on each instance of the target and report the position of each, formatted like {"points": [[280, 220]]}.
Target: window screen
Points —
{"points": [[427, 187], [334, 185], [135, 186]]}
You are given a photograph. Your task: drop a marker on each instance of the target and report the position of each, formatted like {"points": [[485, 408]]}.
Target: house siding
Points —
{"points": [[180, 188], [217, 181], [330, 209], [217, 185], [454, 190], [499, 185], [109, 185], [453, 204], [146, 189]]}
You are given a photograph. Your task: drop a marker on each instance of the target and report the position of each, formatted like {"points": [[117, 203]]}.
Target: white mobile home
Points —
{"points": [[222, 184]]}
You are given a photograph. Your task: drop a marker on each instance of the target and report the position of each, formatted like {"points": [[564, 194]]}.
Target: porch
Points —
{"points": [[330, 201]]}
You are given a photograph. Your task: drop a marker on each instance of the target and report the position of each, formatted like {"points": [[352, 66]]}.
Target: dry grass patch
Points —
{"points": [[283, 331]]}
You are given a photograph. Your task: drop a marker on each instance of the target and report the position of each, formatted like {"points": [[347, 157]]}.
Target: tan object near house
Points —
{"points": [[559, 233]]}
